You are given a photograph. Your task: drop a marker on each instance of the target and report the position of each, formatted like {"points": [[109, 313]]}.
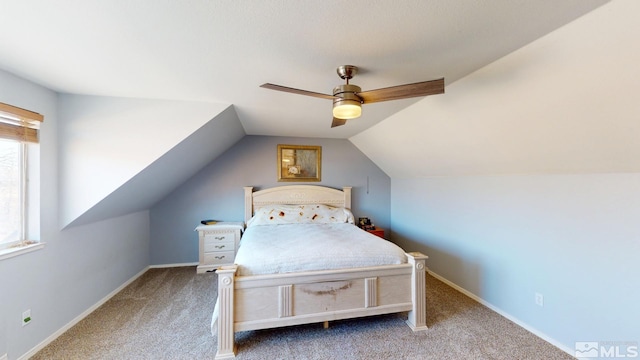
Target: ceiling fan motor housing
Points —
{"points": [[346, 104]]}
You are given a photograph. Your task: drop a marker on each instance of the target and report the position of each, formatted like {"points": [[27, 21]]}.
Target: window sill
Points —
{"points": [[11, 252]]}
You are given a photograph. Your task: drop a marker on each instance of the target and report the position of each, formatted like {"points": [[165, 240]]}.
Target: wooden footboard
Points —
{"points": [[269, 301]]}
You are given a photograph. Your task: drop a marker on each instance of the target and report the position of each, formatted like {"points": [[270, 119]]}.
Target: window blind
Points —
{"points": [[19, 124]]}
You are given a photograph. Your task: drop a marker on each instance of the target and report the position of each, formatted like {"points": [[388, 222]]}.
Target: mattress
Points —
{"points": [[287, 248]]}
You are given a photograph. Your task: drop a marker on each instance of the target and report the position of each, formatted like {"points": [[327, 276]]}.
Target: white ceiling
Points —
{"points": [[221, 51], [564, 104]]}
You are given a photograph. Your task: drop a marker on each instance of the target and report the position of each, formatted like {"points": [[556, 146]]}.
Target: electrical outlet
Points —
{"points": [[539, 299], [26, 317]]}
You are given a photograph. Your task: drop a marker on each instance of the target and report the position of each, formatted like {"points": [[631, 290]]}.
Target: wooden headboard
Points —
{"points": [[294, 195]]}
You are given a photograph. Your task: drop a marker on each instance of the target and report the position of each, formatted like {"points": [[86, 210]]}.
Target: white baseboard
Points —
{"points": [[78, 318], [473, 296], [160, 266]]}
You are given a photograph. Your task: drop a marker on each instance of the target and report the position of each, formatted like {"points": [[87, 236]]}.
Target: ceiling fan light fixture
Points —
{"points": [[346, 104], [347, 109]]}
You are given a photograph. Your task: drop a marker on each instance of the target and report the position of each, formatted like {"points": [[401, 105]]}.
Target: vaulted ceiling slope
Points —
{"points": [[221, 51], [119, 155], [566, 103]]}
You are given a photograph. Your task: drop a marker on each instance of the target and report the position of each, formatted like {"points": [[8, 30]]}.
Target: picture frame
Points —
{"points": [[301, 163], [364, 222]]}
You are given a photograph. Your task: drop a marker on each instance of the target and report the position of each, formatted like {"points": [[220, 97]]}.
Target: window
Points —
{"points": [[12, 191], [18, 138]]}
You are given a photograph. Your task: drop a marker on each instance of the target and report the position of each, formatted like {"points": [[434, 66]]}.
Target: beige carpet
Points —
{"points": [[165, 314]]}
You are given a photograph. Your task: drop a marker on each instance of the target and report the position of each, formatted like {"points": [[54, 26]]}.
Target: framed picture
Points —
{"points": [[364, 222], [299, 162]]}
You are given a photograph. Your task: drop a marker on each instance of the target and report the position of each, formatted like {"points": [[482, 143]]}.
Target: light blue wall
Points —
{"points": [[217, 191], [573, 238], [77, 267]]}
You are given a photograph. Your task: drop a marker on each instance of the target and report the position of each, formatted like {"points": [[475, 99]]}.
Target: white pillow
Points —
{"points": [[300, 214]]}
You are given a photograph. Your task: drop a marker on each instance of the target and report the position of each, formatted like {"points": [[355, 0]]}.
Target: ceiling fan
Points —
{"points": [[347, 98]]}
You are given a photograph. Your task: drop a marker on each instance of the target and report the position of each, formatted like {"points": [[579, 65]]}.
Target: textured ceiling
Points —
{"points": [[221, 51]]}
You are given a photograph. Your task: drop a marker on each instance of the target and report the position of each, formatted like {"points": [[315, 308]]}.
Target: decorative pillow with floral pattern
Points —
{"points": [[300, 214]]}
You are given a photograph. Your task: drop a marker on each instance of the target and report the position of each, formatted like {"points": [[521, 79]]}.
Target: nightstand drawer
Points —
{"points": [[219, 257], [215, 245], [218, 236]]}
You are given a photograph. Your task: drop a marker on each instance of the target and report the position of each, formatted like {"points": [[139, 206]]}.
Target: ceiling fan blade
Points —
{"points": [[296, 91], [424, 88], [338, 122]]}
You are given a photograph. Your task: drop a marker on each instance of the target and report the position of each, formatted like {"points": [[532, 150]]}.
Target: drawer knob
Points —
{"points": [[219, 237], [220, 246], [220, 257]]}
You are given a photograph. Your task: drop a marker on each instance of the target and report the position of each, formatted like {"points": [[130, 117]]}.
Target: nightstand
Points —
{"points": [[377, 232], [218, 244]]}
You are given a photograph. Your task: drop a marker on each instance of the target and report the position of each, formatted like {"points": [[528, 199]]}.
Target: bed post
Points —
{"points": [[417, 319], [248, 203], [347, 197], [226, 345]]}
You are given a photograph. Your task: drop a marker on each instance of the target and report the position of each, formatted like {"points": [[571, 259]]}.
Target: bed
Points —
{"points": [[267, 292]]}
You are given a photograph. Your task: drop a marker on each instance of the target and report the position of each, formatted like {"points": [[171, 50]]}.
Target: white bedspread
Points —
{"points": [[272, 249]]}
